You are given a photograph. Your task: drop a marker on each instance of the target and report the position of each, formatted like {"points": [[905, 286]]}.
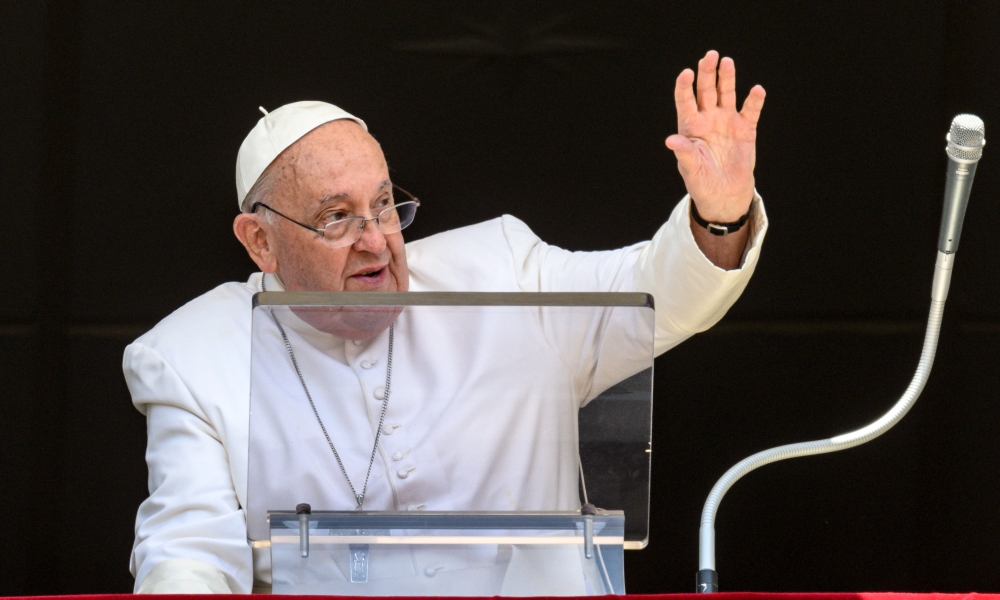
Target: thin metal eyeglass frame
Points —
{"points": [[412, 200]]}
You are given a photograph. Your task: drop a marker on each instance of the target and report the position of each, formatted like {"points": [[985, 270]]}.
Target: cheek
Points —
{"points": [[329, 268], [398, 266], [309, 267], [333, 263]]}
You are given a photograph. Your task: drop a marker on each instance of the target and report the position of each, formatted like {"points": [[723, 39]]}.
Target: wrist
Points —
{"points": [[720, 226], [723, 210]]}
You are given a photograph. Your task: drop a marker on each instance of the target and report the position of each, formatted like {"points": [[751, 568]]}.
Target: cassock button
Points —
{"points": [[431, 571], [400, 455], [367, 364], [405, 472], [416, 507], [389, 429], [379, 392]]}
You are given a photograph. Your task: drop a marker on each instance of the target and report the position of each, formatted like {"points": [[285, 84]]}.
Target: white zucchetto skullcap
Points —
{"points": [[276, 131]]}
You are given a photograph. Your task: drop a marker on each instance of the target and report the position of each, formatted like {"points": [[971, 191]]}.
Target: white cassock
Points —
{"points": [[190, 375]]}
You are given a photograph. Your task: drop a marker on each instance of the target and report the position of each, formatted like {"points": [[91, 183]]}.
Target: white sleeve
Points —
{"points": [[192, 513], [690, 292]]}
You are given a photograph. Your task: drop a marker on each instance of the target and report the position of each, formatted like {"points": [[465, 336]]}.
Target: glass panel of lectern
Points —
{"points": [[439, 443]]}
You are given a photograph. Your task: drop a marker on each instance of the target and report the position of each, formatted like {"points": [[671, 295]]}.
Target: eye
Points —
{"points": [[383, 202], [335, 216]]}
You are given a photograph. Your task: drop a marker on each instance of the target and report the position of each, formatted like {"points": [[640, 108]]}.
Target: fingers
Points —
{"points": [[707, 95], [727, 83], [716, 88], [753, 104], [687, 108]]}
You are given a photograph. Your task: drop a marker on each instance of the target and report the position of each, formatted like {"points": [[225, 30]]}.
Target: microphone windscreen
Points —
{"points": [[966, 138]]}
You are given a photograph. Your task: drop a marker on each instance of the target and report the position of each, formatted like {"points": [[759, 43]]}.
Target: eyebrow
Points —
{"points": [[342, 195]]}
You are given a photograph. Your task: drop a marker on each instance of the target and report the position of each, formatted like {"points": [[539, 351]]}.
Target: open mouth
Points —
{"points": [[370, 273]]}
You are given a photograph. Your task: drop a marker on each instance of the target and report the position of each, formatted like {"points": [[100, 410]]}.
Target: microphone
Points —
{"points": [[965, 148]]}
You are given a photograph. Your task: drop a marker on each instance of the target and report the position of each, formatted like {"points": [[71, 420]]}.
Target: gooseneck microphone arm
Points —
{"points": [[965, 148]]}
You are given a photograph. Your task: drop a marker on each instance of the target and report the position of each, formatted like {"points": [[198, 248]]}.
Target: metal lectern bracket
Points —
{"points": [[358, 553], [588, 511], [303, 511]]}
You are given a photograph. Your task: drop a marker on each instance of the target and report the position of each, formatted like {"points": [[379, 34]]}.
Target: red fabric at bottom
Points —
{"points": [[717, 596]]}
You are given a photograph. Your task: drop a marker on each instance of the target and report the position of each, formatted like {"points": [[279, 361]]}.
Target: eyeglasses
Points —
{"points": [[346, 231]]}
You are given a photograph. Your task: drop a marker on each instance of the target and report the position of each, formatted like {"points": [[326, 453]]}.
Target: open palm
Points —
{"points": [[715, 145]]}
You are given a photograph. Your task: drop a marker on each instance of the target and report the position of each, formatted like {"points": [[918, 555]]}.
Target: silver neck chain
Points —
{"points": [[360, 498]]}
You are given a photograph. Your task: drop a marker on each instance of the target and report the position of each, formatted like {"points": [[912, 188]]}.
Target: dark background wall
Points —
{"points": [[119, 125]]}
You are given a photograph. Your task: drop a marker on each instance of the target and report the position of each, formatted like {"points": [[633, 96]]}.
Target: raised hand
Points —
{"points": [[715, 145]]}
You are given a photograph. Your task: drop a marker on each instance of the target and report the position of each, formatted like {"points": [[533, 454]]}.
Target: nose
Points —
{"points": [[371, 240]]}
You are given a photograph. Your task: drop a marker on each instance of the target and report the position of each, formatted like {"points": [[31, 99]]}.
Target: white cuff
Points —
{"points": [[691, 292], [757, 225], [184, 576]]}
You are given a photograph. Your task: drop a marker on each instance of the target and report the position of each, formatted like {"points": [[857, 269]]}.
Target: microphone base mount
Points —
{"points": [[706, 581]]}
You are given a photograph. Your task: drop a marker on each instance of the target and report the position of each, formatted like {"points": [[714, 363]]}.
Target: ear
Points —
{"points": [[253, 232]]}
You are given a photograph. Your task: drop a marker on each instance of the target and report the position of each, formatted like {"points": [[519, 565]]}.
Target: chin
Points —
{"points": [[356, 322], [362, 323], [350, 322]]}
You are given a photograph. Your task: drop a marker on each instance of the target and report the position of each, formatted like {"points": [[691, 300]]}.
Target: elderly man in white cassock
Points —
{"points": [[319, 213]]}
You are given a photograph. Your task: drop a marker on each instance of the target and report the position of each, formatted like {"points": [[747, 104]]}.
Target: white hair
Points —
{"points": [[260, 192]]}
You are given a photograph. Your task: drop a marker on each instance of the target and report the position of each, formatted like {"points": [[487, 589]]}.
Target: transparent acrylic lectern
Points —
{"points": [[513, 441]]}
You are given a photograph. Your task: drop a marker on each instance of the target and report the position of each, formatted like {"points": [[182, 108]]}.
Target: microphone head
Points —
{"points": [[966, 138]]}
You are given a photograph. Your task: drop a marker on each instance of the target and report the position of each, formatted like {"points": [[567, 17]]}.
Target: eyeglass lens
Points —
{"points": [[391, 220]]}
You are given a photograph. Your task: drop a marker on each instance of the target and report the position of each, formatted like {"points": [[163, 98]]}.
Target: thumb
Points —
{"points": [[683, 148]]}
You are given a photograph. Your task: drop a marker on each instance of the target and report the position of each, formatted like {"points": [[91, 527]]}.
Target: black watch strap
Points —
{"points": [[720, 228]]}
